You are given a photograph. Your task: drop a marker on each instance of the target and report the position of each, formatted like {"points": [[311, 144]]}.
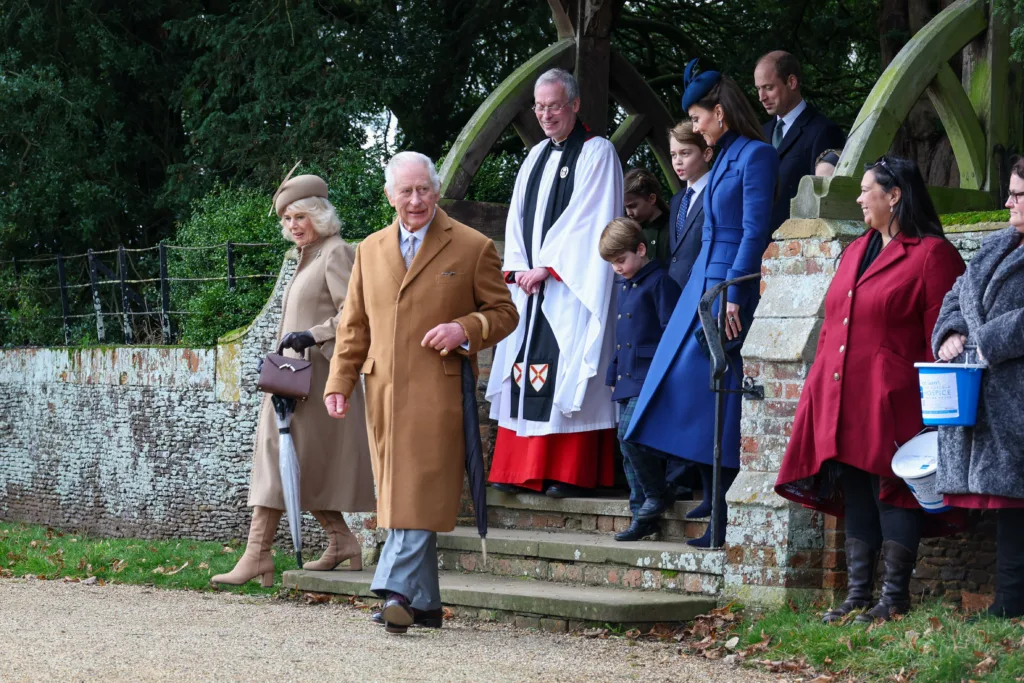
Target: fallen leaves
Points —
{"points": [[984, 666], [316, 598]]}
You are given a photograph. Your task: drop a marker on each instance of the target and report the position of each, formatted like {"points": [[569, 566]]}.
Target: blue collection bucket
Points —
{"points": [[949, 393]]}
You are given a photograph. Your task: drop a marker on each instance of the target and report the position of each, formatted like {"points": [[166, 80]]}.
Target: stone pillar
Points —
{"points": [[777, 548]]}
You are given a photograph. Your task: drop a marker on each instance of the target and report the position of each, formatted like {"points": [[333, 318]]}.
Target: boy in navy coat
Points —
{"points": [[646, 299]]}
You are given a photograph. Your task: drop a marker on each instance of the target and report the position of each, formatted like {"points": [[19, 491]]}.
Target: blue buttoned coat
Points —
{"points": [[645, 305], [676, 408]]}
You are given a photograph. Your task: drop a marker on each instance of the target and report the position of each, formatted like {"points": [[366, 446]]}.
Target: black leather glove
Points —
{"points": [[297, 341]]}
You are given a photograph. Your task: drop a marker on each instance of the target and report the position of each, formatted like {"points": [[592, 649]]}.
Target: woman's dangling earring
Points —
{"points": [[890, 208], [719, 123]]}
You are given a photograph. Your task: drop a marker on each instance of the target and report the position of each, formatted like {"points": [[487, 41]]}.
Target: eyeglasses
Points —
{"points": [[552, 108], [1015, 197], [885, 165]]}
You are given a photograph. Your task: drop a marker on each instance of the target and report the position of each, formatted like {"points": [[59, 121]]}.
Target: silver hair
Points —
{"points": [[403, 158], [321, 214], [562, 78]]}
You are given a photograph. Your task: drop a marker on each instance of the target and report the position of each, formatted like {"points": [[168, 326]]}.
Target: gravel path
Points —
{"points": [[50, 630]]}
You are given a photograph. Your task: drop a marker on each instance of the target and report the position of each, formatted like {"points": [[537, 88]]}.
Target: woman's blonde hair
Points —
{"points": [[321, 213], [619, 236]]}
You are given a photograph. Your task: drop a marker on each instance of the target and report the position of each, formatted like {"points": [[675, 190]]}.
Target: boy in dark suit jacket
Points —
{"points": [[798, 131], [646, 299], [691, 160]]}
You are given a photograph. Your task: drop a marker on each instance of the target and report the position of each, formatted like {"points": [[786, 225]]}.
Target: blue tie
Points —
{"points": [[683, 210]]}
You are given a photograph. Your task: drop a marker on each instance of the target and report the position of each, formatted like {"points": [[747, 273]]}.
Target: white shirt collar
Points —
{"points": [[699, 184], [790, 118], [421, 234]]}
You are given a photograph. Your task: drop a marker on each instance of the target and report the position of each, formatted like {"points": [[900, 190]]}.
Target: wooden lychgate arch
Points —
{"points": [[981, 113], [584, 47]]}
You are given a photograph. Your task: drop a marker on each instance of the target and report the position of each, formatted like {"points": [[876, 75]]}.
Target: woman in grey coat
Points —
{"points": [[982, 467]]}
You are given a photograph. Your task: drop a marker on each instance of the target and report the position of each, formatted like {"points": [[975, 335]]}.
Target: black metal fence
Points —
{"points": [[138, 288]]}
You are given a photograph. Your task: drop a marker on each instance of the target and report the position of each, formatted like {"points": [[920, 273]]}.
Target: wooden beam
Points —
{"points": [[593, 52], [630, 133], [527, 128], [561, 18], [962, 127], [487, 217], [495, 115], [631, 91], [905, 79]]}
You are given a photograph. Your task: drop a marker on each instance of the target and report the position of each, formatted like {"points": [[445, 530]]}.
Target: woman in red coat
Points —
{"points": [[861, 399]]}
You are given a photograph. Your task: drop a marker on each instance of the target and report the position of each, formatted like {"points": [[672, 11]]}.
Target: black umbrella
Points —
{"points": [[474, 452]]}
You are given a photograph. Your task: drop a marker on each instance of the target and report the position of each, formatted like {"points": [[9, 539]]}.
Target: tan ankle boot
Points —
{"points": [[256, 560], [341, 544]]}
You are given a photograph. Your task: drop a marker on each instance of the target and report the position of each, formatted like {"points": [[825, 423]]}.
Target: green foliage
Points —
{"points": [[972, 217], [88, 124], [497, 177], [835, 40], [33, 550], [224, 215]]}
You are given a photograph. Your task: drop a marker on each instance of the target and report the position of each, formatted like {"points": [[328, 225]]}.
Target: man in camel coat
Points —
{"points": [[422, 291]]}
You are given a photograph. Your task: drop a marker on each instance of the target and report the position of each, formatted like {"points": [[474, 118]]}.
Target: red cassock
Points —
{"points": [[861, 400]]}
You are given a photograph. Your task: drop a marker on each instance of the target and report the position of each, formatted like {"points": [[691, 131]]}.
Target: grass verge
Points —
{"points": [[45, 553], [934, 643]]}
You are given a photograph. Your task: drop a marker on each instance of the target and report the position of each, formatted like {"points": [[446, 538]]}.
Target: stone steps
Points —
{"points": [[554, 607], [606, 514], [592, 559]]}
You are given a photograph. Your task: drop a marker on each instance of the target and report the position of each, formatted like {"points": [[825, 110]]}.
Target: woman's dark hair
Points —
{"points": [[915, 211], [736, 108], [642, 183]]}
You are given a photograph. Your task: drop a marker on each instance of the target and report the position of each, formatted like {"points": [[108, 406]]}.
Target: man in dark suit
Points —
{"points": [[797, 130]]}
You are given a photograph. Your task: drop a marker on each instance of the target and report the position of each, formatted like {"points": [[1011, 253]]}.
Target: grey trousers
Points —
{"points": [[408, 566]]}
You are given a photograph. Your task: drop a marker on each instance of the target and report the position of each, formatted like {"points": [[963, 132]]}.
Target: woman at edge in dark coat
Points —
{"points": [[983, 467], [861, 399], [676, 408]]}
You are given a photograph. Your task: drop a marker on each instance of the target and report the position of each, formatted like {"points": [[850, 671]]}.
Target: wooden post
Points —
{"points": [[96, 304], [593, 55], [165, 298], [126, 319], [64, 308], [231, 266]]}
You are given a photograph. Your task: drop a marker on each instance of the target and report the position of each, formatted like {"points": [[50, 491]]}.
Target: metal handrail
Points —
{"points": [[714, 332]]}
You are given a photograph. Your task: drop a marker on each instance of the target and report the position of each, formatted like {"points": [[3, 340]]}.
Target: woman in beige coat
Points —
{"points": [[334, 455]]}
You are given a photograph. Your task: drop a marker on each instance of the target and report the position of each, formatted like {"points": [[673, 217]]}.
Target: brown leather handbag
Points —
{"points": [[286, 377]]}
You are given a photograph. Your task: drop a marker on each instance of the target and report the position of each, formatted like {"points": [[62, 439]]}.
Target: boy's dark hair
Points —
{"points": [[621, 235]]}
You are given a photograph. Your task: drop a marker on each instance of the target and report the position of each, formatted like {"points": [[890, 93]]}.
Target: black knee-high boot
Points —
{"points": [[1009, 600], [861, 559], [728, 477], [899, 564]]}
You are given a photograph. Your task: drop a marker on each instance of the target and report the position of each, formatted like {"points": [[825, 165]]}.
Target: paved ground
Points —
{"points": [[51, 630]]}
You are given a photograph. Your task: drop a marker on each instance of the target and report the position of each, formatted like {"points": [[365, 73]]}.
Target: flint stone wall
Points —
{"points": [[150, 442]]}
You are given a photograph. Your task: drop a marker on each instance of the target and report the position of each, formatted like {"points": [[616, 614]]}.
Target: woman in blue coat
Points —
{"points": [[675, 410]]}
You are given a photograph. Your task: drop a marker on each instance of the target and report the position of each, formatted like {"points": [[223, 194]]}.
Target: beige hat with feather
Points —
{"points": [[293, 189]]}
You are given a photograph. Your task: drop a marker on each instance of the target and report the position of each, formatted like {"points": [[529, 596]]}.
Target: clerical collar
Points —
{"points": [[559, 145]]}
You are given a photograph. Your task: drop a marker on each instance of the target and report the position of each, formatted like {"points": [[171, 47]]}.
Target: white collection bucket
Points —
{"points": [[916, 463]]}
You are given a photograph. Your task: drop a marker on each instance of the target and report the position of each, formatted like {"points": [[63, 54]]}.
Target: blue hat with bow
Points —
{"points": [[696, 85]]}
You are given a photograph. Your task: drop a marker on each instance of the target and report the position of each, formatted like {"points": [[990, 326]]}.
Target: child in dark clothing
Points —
{"points": [[646, 298]]}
